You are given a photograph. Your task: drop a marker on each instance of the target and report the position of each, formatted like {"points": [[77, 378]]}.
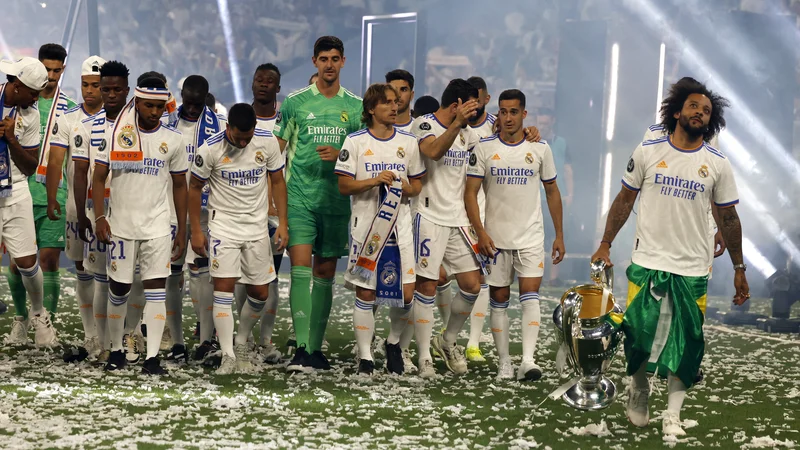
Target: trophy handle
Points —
{"points": [[601, 274]]}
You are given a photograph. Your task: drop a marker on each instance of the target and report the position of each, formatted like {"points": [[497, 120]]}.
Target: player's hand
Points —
{"points": [[532, 134], [742, 288], [719, 245], [84, 227], [178, 245], [103, 231], [465, 111], [558, 250], [603, 252], [407, 189], [7, 130], [53, 209], [281, 237], [486, 245], [327, 153], [386, 177], [199, 244]]}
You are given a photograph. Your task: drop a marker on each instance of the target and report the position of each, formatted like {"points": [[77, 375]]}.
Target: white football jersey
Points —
{"points": [[26, 130], [90, 138], [676, 188], [405, 126], [237, 204], [139, 205], [442, 198], [484, 130], [267, 123], [66, 135], [364, 156], [512, 175]]}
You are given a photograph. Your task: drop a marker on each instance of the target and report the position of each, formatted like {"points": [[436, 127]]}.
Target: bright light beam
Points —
{"points": [[660, 94], [756, 259], [612, 92], [227, 30], [606, 186]]}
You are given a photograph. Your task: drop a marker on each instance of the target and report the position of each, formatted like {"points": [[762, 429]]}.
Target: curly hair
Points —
{"points": [[679, 93]]}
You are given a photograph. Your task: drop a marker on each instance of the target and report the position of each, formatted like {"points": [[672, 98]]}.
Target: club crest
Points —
{"points": [[163, 148], [78, 141], [372, 245], [126, 138], [344, 117], [259, 157], [389, 275], [529, 158], [703, 171], [400, 152]]}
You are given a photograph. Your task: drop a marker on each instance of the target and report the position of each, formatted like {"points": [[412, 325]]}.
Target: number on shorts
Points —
{"points": [[216, 243], [112, 253], [424, 250], [174, 231], [494, 259]]}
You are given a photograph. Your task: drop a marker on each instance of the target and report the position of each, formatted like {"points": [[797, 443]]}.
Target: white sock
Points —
{"points": [[155, 318], [33, 281], [531, 318], [174, 306], [117, 310], [194, 290], [240, 294], [251, 312], [100, 307], [205, 300], [423, 324], [223, 320], [499, 324], [398, 322], [364, 326], [444, 299], [408, 331], [269, 314], [478, 317], [676, 393], [460, 310], [136, 304], [84, 294], [639, 378]]}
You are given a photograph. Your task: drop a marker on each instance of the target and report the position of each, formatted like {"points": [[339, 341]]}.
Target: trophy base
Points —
{"points": [[589, 395]]}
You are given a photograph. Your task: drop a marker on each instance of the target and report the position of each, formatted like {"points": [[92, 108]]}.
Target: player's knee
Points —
{"points": [[119, 289], [176, 270], [500, 296], [157, 283], [426, 287], [48, 259], [25, 263], [365, 295], [201, 263], [259, 293], [79, 266], [470, 286]]}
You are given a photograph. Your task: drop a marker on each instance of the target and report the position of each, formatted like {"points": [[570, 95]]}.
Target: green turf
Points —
{"points": [[751, 391]]}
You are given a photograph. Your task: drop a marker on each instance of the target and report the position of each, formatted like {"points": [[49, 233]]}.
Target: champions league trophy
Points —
{"points": [[587, 341]]}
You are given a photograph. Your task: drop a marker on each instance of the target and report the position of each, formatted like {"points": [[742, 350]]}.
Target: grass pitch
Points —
{"points": [[750, 397]]}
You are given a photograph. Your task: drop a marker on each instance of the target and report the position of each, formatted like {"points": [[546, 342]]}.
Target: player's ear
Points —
{"points": [[524, 114], [677, 115], [343, 60]]}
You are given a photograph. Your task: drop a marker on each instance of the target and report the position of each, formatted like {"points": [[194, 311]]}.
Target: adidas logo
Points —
{"points": [[497, 330], [61, 239], [534, 324], [541, 265], [160, 317], [480, 315], [299, 314], [410, 271], [662, 165], [271, 269], [310, 116], [87, 306], [369, 153], [272, 311], [423, 321], [222, 315], [362, 328], [225, 160], [496, 157], [113, 316]]}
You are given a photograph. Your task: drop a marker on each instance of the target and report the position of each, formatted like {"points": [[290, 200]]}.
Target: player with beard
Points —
{"points": [[114, 93], [62, 147], [19, 143], [142, 156], [403, 82], [678, 176], [312, 126]]}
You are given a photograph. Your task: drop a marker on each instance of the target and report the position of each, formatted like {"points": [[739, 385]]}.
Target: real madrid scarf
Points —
{"points": [[126, 142], [5, 156], [472, 240], [59, 106], [206, 126], [380, 253], [97, 143]]}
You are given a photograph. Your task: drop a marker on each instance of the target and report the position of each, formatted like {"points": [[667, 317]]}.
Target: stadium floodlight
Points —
{"points": [[662, 56], [227, 31], [612, 92], [606, 201]]}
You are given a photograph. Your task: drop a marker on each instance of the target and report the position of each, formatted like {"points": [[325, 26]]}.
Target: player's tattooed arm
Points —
{"points": [[198, 238], [731, 229], [55, 162], [617, 216]]}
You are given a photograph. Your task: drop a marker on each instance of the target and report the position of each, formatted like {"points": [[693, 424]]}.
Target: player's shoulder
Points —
{"points": [[714, 151], [263, 134], [491, 118], [489, 140], [169, 132], [95, 116], [360, 134], [655, 142], [424, 122], [221, 117], [77, 109], [402, 134], [30, 114], [64, 97], [215, 139], [352, 98], [656, 127], [299, 95]]}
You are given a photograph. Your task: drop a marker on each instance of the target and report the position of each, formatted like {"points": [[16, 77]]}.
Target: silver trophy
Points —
{"points": [[587, 342]]}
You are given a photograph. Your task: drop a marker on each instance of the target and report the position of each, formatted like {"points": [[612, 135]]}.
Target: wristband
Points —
{"points": [[101, 217]]}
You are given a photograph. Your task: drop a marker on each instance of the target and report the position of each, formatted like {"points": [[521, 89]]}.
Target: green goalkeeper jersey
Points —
{"points": [[308, 120], [38, 190]]}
